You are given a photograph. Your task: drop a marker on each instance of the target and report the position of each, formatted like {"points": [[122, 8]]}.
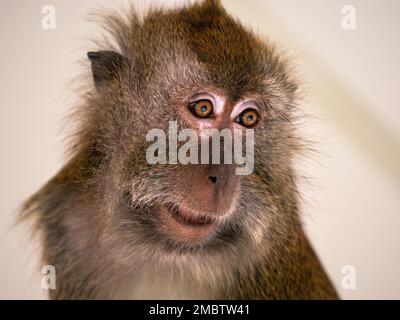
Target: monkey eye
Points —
{"points": [[248, 118], [201, 108]]}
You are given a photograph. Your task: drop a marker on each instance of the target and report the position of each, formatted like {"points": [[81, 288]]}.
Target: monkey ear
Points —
{"points": [[106, 65]]}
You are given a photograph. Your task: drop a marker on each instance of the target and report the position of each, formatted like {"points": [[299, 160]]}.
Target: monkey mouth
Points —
{"points": [[182, 224], [187, 218]]}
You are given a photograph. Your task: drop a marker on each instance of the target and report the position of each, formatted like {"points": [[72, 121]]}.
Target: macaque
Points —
{"points": [[115, 226]]}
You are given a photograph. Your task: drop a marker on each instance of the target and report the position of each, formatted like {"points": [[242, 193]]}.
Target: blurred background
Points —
{"points": [[351, 73]]}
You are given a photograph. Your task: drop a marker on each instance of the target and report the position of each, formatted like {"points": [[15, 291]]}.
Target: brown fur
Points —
{"points": [[95, 216]]}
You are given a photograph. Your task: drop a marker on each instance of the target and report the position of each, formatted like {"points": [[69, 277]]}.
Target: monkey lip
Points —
{"points": [[186, 217], [184, 225]]}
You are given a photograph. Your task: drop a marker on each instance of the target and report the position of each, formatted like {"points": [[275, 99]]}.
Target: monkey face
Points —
{"points": [[201, 205], [198, 197], [207, 72]]}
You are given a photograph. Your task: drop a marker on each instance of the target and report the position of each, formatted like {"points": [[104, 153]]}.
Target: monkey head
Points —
{"points": [[201, 68]]}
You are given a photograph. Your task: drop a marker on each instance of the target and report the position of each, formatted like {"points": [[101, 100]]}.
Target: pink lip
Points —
{"points": [[188, 218], [184, 225]]}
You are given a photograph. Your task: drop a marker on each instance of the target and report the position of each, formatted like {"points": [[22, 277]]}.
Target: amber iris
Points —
{"points": [[248, 118], [201, 108]]}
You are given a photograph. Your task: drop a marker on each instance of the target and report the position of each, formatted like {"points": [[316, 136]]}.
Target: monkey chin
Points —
{"points": [[184, 225]]}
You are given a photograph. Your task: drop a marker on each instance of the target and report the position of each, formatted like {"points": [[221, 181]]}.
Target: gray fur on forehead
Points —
{"points": [[200, 41]]}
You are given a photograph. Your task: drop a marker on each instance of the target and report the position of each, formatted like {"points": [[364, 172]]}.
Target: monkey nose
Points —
{"points": [[213, 187], [219, 174], [213, 179]]}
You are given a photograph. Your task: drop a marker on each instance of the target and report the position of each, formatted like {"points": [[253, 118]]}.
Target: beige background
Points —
{"points": [[352, 204]]}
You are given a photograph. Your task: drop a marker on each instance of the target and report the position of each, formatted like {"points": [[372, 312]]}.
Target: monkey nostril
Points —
{"points": [[213, 179]]}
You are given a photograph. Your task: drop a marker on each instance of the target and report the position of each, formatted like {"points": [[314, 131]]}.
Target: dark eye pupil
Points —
{"points": [[250, 118], [203, 108]]}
